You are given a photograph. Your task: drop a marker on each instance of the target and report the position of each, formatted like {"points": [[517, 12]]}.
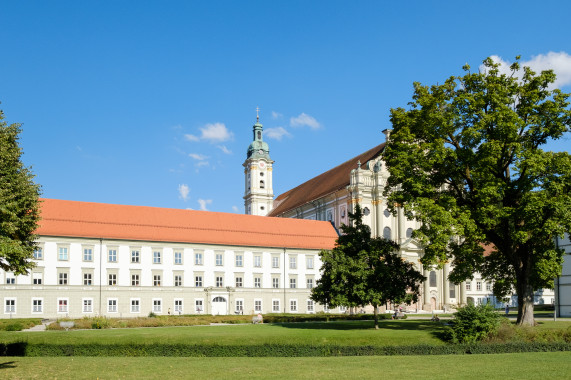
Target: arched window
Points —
{"points": [[409, 232], [262, 185], [366, 211], [387, 233], [387, 213], [219, 299], [432, 279], [259, 135]]}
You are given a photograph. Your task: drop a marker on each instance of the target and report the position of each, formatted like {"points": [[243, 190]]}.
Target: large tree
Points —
{"points": [[361, 270], [19, 205], [467, 161]]}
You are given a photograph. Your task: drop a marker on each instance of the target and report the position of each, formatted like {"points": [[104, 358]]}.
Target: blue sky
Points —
{"points": [[152, 102]]}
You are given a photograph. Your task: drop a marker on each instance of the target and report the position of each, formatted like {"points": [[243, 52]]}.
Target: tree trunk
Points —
{"points": [[376, 317], [525, 305]]}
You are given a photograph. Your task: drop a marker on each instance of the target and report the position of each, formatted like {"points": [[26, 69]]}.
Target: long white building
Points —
{"points": [[128, 261]]}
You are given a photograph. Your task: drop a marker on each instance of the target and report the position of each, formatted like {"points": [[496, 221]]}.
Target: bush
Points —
{"points": [[473, 323], [100, 323], [16, 326]]}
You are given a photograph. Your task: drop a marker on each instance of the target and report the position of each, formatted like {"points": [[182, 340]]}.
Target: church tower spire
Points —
{"points": [[258, 192]]}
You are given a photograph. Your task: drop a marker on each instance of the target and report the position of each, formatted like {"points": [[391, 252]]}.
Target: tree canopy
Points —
{"points": [[361, 270], [467, 161], [19, 205]]}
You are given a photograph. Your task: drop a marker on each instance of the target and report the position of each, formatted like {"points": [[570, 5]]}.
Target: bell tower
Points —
{"points": [[258, 192]]}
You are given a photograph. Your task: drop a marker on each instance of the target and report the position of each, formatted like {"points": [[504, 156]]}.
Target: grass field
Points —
{"points": [[542, 365], [346, 333]]}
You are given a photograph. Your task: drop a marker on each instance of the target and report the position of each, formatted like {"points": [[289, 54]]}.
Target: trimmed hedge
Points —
{"points": [[269, 350]]}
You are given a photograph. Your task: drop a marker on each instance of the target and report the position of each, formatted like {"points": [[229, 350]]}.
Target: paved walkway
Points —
{"points": [[40, 327]]}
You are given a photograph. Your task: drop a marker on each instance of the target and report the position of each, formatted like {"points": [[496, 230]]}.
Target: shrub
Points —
{"points": [[100, 323], [473, 323], [152, 315], [16, 326]]}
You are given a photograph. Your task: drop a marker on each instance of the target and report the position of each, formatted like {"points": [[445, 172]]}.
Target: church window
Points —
{"points": [[366, 211], [432, 279], [387, 213], [262, 186], [261, 174], [409, 232], [387, 233], [259, 135]]}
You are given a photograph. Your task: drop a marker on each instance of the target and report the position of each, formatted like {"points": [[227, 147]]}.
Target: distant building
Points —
{"points": [[563, 283]]}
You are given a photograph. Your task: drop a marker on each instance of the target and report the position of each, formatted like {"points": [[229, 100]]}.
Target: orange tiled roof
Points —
{"points": [[326, 183], [108, 221]]}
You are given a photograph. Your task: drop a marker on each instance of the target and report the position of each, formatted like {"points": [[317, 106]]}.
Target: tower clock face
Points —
{"points": [[262, 164]]}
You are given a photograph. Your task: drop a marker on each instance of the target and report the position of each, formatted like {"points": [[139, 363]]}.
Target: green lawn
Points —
{"points": [[344, 333], [541, 365]]}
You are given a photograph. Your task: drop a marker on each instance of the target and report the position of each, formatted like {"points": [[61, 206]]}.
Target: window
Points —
{"points": [[37, 305], [87, 279], [275, 282], [10, 279], [198, 258], [309, 262], [62, 305], [135, 305], [239, 306], [156, 257], [292, 283], [178, 306], [198, 281], [9, 305], [262, 184], [310, 283], [342, 309], [112, 255], [310, 306], [112, 305], [135, 256], [452, 287], [409, 233], [239, 260], [62, 278], [135, 280], [112, 279], [198, 306], [219, 261], [257, 282], [432, 279], [478, 285], [469, 285], [387, 233], [258, 306], [257, 261], [178, 258], [219, 281], [177, 280], [87, 254], [87, 305], [489, 286], [38, 254], [157, 280], [239, 282], [62, 254], [293, 305], [275, 306], [275, 262], [157, 306], [292, 263], [37, 278]]}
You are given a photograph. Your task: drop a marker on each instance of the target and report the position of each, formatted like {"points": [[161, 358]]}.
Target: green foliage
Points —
{"points": [[473, 323], [362, 270], [152, 315], [100, 323], [466, 160], [19, 205], [16, 326]]}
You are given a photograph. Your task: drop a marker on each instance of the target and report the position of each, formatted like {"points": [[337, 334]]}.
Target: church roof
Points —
{"points": [[139, 223], [324, 184]]}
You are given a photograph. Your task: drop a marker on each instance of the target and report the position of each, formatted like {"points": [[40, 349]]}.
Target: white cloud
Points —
{"points": [[235, 208], [276, 115], [197, 156], [224, 149], [276, 133], [212, 132], [560, 63], [203, 203], [183, 191], [201, 164], [304, 120]]}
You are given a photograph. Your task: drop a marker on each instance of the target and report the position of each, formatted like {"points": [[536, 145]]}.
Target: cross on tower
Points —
{"points": [[257, 114]]}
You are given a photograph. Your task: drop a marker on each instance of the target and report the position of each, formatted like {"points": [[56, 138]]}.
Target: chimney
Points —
{"points": [[387, 133]]}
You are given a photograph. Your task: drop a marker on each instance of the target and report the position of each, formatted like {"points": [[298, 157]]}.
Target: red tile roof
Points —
{"points": [[138, 223], [324, 184]]}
